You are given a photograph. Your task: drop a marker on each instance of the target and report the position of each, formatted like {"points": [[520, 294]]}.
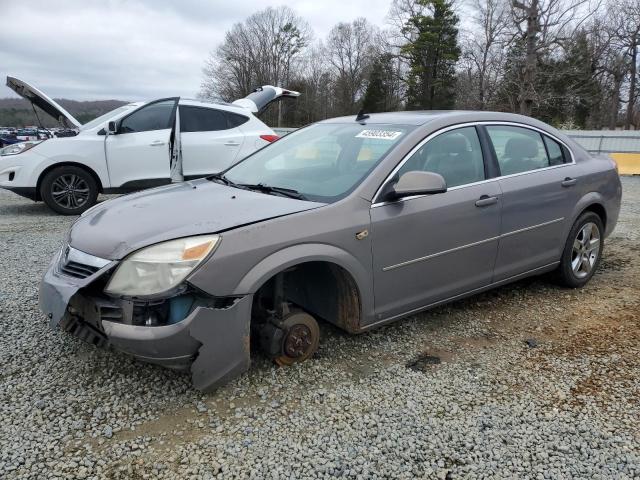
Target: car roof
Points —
{"points": [[421, 117], [213, 104]]}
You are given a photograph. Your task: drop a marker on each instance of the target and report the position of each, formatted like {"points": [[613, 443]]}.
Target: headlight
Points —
{"points": [[17, 148], [160, 267]]}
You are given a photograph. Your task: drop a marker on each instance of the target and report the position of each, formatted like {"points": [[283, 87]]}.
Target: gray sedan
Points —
{"points": [[355, 221]]}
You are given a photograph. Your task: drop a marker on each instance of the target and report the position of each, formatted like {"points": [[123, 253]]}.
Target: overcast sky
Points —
{"points": [[136, 49]]}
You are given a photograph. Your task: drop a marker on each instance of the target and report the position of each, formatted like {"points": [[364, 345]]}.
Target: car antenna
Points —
{"points": [[362, 116]]}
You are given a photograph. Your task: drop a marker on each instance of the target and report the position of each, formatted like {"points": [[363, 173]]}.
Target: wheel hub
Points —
{"points": [[297, 341]]}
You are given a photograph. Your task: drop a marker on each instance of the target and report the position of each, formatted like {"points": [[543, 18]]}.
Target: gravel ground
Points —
{"points": [[533, 381]]}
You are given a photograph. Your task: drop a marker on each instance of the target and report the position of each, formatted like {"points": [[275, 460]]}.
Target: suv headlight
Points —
{"points": [[160, 267], [17, 148]]}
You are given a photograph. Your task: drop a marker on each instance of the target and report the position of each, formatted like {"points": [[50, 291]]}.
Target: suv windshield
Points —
{"points": [[323, 162]]}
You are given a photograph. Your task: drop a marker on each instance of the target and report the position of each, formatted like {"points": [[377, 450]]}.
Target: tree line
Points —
{"points": [[572, 63]]}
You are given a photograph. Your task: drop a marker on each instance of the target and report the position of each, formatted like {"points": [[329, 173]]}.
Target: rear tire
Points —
{"points": [[69, 190], [582, 252]]}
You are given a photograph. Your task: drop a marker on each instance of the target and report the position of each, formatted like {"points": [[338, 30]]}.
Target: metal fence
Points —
{"points": [[595, 141], [606, 141]]}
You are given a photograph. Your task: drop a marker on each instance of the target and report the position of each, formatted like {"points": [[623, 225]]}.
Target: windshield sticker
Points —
{"points": [[379, 134]]}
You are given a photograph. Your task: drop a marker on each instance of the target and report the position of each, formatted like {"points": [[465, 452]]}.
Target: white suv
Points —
{"points": [[136, 146]]}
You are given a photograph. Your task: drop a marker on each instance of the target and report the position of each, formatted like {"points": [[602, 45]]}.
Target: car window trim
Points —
{"points": [[171, 118], [375, 203]]}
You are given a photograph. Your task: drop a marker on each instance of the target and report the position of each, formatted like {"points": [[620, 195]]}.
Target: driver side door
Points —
{"points": [[139, 154], [430, 248]]}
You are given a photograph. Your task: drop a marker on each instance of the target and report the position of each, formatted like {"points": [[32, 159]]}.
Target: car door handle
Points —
{"points": [[569, 182], [157, 143], [486, 200], [232, 144]]}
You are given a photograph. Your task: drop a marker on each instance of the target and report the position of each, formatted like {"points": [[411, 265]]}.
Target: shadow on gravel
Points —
{"points": [[27, 208]]}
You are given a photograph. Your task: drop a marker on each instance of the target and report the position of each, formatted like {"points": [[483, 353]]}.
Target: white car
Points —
{"points": [[136, 146]]}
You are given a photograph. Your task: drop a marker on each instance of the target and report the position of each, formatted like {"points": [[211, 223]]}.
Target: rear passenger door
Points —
{"points": [[538, 182], [210, 139]]}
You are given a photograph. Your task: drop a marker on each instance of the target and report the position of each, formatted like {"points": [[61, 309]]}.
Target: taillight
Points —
{"points": [[269, 138]]}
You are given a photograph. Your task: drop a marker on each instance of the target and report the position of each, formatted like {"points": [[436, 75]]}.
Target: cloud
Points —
{"points": [[137, 49]]}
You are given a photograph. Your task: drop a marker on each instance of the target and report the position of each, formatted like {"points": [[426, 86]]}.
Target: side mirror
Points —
{"points": [[418, 183], [112, 127]]}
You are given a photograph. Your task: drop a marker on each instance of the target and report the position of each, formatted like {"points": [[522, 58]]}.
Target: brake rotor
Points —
{"points": [[301, 338]]}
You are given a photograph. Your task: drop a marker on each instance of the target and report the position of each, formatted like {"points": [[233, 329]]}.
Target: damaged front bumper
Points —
{"points": [[188, 330]]}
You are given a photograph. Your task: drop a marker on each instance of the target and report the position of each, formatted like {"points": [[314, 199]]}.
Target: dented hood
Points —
{"points": [[115, 228], [38, 98]]}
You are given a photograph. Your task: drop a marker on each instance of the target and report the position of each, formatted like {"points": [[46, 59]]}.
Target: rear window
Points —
{"points": [[235, 120]]}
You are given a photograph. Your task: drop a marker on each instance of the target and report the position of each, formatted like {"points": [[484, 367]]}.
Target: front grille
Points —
{"points": [[78, 270], [77, 264]]}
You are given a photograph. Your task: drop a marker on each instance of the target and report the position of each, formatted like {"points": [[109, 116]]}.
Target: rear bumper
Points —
{"points": [[212, 343]]}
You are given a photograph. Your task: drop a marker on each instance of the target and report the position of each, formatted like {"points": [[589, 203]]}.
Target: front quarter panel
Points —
{"points": [[249, 256], [86, 149]]}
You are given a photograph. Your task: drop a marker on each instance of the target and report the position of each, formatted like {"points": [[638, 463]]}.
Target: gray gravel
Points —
{"points": [[533, 382]]}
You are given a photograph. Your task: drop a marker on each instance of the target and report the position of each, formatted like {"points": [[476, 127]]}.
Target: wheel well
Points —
{"points": [[599, 210], [64, 164], [324, 289]]}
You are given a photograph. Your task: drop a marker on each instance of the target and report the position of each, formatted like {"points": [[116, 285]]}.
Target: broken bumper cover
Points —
{"points": [[212, 342]]}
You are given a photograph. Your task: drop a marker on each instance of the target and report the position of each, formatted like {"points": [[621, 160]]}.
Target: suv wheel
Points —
{"points": [[583, 250], [69, 190]]}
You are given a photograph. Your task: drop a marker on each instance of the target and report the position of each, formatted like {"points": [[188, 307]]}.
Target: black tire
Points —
{"points": [[69, 190], [573, 254]]}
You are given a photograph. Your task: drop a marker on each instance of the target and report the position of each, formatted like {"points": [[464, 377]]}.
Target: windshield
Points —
{"points": [[323, 162], [107, 116]]}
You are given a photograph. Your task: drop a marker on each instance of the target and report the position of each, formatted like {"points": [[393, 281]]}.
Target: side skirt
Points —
{"points": [[536, 271]]}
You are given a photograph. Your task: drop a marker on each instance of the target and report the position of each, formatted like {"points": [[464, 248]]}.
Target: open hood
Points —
{"points": [[42, 101], [261, 97]]}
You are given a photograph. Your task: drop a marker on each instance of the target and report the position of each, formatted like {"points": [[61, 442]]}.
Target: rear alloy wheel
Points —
{"points": [[582, 251], [300, 340], [69, 190]]}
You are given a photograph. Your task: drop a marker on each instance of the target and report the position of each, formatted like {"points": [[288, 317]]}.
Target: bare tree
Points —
{"points": [[484, 49], [543, 25], [264, 49], [350, 51], [627, 40]]}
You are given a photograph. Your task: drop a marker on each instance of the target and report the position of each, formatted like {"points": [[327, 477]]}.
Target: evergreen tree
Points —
{"points": [[378, 96], [432, 55]]}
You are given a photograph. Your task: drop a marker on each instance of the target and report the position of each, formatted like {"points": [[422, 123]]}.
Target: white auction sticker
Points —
{"points": [[379, 134]]}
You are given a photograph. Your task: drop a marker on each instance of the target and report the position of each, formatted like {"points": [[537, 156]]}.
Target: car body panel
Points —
{"points": [[159, 214], [536, 211], [258, 100], [403, 255], [140, 156], [445, 233], [42, 101]]}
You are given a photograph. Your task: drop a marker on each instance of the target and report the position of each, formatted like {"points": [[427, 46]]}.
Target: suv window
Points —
{"points": [[156, 116], [235, 120], [201, 119], [456, 155], [518, 149]]}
